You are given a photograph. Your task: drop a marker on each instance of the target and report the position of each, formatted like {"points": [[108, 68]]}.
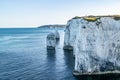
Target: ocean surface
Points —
{"points": [[23, 56]]}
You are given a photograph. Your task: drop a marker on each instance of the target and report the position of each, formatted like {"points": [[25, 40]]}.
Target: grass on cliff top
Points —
{"points": [[94, 18], [90, 18]]}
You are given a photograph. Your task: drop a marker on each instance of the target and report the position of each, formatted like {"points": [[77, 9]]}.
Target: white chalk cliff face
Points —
{"points": [[70, 33], [96, 43]]}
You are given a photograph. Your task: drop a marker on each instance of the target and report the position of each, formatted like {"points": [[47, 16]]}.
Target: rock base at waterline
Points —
{"points": [[57, 39], [76, 73], [50, 47], [68, 48]]}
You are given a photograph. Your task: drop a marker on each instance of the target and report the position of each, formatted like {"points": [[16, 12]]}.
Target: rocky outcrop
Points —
{"points": [[51, 41], [57, 35], [96, 44], [70, 35]]}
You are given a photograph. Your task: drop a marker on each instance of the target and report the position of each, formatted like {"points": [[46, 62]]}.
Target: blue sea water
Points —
{"points": [[23, 56]]}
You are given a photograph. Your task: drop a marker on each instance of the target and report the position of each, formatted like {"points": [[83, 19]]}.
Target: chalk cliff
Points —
{"points": [[96, 43]]}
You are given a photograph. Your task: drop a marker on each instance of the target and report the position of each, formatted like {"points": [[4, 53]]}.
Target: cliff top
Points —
{"points": [[94, 18], [98, 16]]}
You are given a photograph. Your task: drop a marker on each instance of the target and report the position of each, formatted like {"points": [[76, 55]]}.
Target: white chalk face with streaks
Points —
{"points": [[96, 43]]}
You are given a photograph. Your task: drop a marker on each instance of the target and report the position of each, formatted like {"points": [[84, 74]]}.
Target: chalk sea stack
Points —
{"points": [[51, 41], [96, 44], [70, 35], [57, 35]]}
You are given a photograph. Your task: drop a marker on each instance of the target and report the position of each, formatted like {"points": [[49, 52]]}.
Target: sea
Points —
{"points": [[23, 56]]}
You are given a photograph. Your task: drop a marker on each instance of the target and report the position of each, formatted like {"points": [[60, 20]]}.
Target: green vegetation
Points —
{"points": [[90, 18]]}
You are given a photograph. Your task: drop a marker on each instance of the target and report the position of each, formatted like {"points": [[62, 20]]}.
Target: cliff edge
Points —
{"points": [[96, 44]]}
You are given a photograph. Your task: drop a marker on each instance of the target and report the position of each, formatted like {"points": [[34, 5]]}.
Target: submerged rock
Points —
{"points": [[51, 41], [96, 44]]}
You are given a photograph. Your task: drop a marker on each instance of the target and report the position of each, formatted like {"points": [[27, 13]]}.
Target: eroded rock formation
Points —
{"points": [[96, 44], [51, 41], [57, 35]]}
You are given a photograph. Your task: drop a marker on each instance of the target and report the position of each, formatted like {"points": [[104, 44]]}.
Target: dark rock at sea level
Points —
{"points": [[68, 47]]}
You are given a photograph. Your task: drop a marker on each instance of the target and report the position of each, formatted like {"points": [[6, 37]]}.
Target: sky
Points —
{"points": [[34, 13]]}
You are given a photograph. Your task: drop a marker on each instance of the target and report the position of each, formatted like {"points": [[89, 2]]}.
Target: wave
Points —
{"points": [[6, 38]]}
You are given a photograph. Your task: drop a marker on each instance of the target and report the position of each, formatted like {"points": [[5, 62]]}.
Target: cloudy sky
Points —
{"points": [[33, 13]]}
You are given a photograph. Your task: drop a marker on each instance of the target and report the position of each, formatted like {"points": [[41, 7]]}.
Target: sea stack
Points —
{"points": [[57, 36], [51, 41], [71, 32], [96, 44]]}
